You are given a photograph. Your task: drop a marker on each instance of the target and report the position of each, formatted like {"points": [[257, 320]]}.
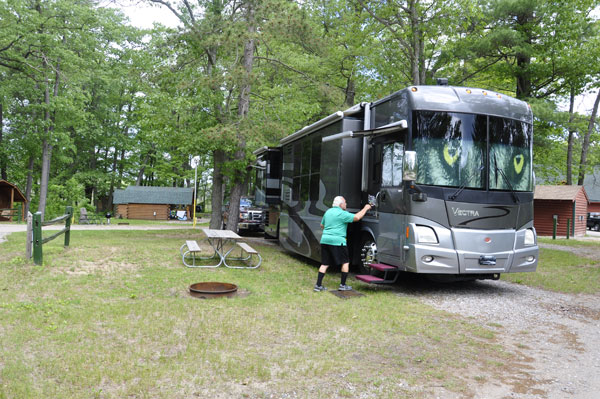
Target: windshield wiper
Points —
{"points": [[457, 192], [512, 191], [462, 187]]}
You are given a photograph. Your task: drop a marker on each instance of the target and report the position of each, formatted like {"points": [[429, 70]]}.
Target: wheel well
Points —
{"points": [[357, 243]]}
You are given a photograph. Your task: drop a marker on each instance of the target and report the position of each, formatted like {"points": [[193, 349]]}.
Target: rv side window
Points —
{"points": [[391, 170]]}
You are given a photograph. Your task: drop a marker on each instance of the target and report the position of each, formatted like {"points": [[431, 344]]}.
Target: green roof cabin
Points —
{"points": [[152, 203]]}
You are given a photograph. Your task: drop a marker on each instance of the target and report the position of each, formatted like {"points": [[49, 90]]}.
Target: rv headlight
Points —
{"points": [[426, 235], [529, 237]]}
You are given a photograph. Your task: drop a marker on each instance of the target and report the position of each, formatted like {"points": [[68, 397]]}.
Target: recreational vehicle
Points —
{"points": [[450, 169]]}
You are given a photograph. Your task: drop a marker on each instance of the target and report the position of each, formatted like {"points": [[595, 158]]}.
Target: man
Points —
{"points": [[333, 241]]}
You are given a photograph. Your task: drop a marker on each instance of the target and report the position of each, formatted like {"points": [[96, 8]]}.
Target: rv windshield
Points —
{"points": [[452, 151], [450, 148], [510, 153]]}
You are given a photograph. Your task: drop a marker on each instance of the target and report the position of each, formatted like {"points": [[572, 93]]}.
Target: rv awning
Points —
{"points": [[391, 128]]}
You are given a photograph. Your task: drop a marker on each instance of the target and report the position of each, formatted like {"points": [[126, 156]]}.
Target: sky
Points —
{"points": [[141, 14]]}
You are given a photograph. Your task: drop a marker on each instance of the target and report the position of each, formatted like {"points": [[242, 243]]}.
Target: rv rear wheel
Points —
{"points": [[368, 254]]}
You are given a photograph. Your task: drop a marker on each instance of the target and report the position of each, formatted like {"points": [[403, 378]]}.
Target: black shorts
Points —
{"points": [[334, 255]]}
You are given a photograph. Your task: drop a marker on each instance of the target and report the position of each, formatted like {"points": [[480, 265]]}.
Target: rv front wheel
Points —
{"points": [[368, 254]]}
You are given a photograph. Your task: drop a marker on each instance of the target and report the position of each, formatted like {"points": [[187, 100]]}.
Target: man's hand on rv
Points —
{"points": [[372, 201]]}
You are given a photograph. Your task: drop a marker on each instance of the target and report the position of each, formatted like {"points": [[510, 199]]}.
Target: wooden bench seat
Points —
{"points": [[192, 246], [248, 255], [247, 248], [191, 252]]}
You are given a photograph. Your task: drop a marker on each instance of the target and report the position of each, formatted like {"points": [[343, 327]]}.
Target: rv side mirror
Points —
{"points": [[409, 166]]}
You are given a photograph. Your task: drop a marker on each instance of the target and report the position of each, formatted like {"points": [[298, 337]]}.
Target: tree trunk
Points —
{"points": [[121, 168], [46, 144], [350, 91], [416, 47], [524, 59], [3, 172], [140, 176], [217, 190], [29, 185], [586, 141], [571, 137], [46, 154], [243, 108], [112, 181]]}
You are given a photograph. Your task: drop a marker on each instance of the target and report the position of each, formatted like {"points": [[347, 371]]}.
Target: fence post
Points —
{"points": [[29, 244], [37, 238], [68, 211], [568, 227]]}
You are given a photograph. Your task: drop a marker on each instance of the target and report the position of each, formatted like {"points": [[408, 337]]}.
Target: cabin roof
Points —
{"points": [[558, 193], [19, 197], [154, 195]]}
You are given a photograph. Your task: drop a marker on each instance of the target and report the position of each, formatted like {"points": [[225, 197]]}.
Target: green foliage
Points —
{"points": [[134, 106], [71, 193]]}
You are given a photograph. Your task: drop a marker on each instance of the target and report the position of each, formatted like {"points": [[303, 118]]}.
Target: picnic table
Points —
{"points": [[223, 243]]}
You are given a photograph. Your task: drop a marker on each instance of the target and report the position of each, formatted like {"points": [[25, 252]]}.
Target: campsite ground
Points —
{"points": [[109, 317]]}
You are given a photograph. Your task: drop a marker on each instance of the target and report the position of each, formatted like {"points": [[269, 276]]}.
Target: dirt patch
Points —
{"points": [[84, 268]]}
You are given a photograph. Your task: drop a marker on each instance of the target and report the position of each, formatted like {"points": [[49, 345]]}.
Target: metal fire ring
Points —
{"points": [[212, 290]]}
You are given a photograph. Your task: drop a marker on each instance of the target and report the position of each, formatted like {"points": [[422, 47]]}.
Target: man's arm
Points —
{"points": [[362, 213]]}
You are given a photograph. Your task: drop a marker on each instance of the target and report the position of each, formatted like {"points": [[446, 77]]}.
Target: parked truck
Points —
{"points": [[593, 221]]}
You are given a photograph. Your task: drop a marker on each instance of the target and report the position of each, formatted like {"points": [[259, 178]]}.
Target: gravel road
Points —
{"points": [[556, 336]]}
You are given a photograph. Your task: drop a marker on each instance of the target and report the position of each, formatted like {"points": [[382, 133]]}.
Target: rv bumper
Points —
{"points": [[436, 260], [525, 260], [432, 259]]}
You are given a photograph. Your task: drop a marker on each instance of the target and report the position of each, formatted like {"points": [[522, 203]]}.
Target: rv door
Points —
{"points": [[388, 158]]}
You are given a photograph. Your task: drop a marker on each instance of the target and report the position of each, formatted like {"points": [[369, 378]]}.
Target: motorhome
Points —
{"points": [[451, 172]]}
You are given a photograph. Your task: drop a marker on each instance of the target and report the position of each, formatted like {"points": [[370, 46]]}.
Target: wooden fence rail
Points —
{"points": [[36, 236], [11, 214]]}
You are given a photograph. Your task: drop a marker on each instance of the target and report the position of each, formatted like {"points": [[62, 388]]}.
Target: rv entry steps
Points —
{"points": [[381, 268]]}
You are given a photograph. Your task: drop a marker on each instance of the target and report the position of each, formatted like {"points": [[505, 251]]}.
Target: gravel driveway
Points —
{"points": [[555, 336]]}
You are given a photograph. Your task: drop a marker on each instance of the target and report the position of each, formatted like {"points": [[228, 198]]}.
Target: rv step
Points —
{"points": [[367, 278], [382, 267]]}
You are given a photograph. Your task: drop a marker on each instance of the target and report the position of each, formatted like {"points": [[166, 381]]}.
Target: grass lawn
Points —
{"points": [[572, 242], [110, 317], [562, 271]]}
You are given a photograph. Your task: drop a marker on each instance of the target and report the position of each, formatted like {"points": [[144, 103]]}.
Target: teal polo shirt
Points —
{"points": [[336, 222]]}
